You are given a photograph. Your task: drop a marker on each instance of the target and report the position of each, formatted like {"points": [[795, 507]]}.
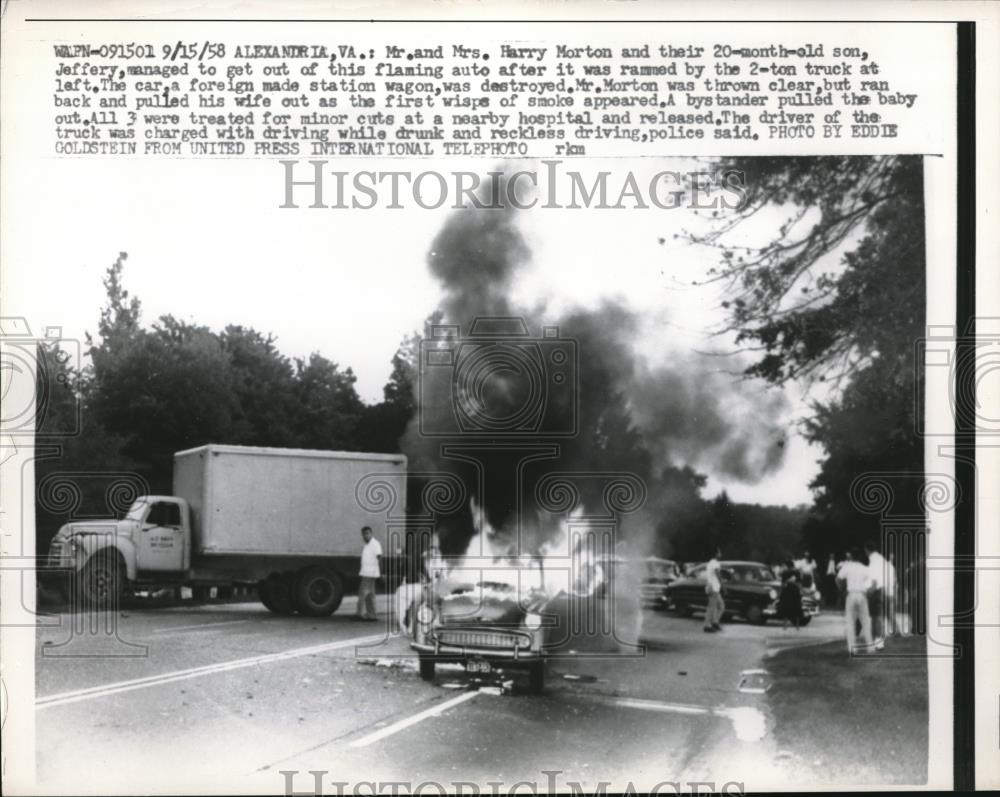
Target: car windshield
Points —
{"points": [[137, 510], [661, 569], [751, 573]]}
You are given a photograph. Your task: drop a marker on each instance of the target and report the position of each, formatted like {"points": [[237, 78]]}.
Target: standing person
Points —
{"points": [[856, 580], [790, 600], [890, 597], [830, 582], [877, 571], [713, 588], [371, 560], [807, 569], [841, 591]]}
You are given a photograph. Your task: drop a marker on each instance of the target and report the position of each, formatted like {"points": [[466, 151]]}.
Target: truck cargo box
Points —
{"points": [[283, 501]]}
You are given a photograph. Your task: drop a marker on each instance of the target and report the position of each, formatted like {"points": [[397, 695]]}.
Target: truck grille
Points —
{"points": [[482, 639], [55, 554]]}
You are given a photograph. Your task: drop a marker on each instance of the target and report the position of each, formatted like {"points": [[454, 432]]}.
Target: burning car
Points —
{"points": [[749, 589], [483, 624]]}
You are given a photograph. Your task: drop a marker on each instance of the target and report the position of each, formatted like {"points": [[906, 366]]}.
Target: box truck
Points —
{"points": [[286, 520]]}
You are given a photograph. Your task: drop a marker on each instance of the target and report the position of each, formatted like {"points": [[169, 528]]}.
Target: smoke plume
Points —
{"points": [[630, 416]]}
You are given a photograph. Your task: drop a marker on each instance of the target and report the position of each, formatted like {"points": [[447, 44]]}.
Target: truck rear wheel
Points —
{"points": [[276, 594], [318, 592], [101, 583], [201, 593], [426, 668]]}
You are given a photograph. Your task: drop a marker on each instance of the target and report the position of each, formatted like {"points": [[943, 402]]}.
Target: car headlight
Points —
{"points": [[425, 614], [772, 594], [532, 620]]}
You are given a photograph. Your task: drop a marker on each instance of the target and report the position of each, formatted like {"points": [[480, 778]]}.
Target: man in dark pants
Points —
{"points": [[713, 588], [876, 596], [371, 558]]}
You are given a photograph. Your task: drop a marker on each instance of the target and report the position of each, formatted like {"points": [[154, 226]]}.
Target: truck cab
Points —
{"points": [[101, 557]]}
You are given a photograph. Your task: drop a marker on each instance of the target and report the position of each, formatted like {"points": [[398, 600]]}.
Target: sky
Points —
{"points": [[208, 243]]}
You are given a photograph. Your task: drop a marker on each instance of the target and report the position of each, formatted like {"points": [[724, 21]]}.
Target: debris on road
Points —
{"points": [[754, 682]]}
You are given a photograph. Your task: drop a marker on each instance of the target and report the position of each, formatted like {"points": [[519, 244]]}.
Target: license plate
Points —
{"points": [[478, 665]]}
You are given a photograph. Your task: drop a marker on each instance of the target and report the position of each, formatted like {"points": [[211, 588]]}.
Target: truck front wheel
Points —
{"points": [[101, 583], [276, 594], [318, 592], [426, 668]]}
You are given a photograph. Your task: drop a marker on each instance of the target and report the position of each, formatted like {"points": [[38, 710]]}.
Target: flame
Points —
{"points": [[564, 563]]}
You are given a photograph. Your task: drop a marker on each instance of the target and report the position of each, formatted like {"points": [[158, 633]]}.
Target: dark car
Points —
{"points": [[660, 574], [655, 574], [749, 589]]}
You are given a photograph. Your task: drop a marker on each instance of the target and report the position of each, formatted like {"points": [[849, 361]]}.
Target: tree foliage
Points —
{"points": [[836, 294]]}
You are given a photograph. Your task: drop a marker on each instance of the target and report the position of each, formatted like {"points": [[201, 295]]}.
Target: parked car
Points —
{"points": [[483, 625], [749, 589], [656, 574], [660, 574]]}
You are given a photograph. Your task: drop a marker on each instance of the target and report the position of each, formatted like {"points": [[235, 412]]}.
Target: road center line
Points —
{"points": [[396, 727], [104, 690], [198, 626]]}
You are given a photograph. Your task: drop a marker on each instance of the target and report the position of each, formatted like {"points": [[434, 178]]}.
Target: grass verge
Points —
{"points": [[859, 720]]}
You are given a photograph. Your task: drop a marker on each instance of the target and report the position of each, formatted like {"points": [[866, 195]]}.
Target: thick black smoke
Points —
{"points": [[475, 257], [630, 417]]}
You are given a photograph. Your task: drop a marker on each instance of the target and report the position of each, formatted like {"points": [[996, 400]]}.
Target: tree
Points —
{"points": [[263, 383], [327, 408], [166, 389], [77, 460], [382, 426], [835, 294], [803, 310]]}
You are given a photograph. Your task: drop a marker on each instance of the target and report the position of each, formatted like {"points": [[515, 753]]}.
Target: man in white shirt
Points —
{"points": [[713, 588], [857, 581], [371, 556], [807, 569], [878, 571]]}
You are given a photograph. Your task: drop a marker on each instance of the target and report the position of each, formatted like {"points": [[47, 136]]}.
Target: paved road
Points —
{"points": [[225, 698]]}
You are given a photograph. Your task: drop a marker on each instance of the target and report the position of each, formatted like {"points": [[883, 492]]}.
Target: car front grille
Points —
{"points": [[463, 638]]}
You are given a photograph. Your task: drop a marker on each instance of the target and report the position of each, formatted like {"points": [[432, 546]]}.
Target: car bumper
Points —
{"points": [[462, 652], [461, 643]]}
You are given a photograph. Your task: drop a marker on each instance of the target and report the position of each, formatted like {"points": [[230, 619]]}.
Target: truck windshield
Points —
{"points": [[137, 510]]}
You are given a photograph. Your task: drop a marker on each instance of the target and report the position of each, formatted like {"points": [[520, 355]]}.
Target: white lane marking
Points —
{"points": [[64, 698], [396, 727], [198, 626], [749, 723], [657, 705]]}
